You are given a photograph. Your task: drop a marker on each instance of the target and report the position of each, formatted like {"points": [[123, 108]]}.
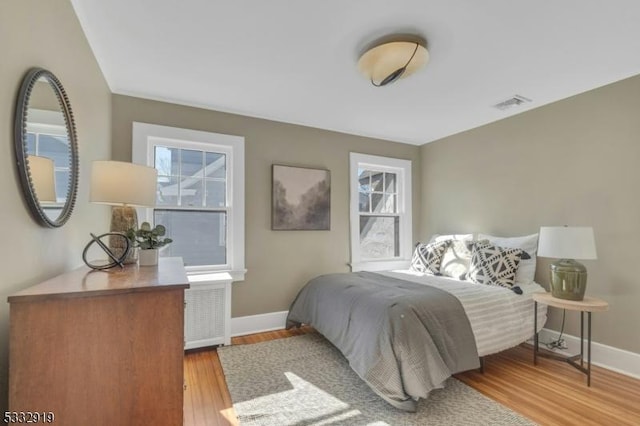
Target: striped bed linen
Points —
{"points": [[500, 319]]}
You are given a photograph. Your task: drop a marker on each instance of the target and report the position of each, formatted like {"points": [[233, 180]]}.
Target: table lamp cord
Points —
{"points": [[559, 342]]}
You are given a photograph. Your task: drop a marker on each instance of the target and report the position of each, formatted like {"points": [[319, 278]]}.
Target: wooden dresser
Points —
{"points": [[101, 348]]}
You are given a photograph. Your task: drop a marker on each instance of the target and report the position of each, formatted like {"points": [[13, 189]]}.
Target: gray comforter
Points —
{"points": [[403, 339]]}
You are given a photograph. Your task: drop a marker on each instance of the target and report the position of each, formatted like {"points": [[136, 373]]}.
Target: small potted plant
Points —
{"points": [[149, 240]]}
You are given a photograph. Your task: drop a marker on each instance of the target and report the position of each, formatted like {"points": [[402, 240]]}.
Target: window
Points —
{"points": [[200, 194], [381, 236]]}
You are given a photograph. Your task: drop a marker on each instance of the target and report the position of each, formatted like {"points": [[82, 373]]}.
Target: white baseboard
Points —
{"points": [[619, 360], [241, 326]]}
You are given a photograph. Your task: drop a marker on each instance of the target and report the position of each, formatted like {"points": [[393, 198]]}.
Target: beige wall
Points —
{"points": [[46, 34], [279, 262], [43, 97], [572, 162]]}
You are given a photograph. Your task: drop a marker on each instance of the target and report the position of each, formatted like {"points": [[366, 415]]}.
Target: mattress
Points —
{"points": [[500, 319]]}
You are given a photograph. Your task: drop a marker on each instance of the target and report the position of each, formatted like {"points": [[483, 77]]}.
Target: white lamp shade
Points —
{"points": [[43, 178], [567, 242], [119, 183]]}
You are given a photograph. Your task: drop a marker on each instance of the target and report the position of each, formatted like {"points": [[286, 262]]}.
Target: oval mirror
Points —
{"points": [[46, 148]]}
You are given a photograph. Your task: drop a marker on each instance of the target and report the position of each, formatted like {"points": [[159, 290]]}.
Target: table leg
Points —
{"points": [[589, 349], [535, 332], [582, 338]]}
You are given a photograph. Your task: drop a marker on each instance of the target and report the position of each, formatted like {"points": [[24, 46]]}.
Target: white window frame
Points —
{"points": [[402, 169], [147, 136]]}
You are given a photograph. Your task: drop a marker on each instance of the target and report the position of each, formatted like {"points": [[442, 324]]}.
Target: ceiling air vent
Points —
{"points": [[513, 101]]}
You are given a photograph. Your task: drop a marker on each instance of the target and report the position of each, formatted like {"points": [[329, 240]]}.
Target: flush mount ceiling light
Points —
{"points": [[393, 58]]}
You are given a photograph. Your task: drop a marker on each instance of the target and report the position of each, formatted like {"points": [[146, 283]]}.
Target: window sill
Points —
{"points": [[380, 265], [216, 276]]}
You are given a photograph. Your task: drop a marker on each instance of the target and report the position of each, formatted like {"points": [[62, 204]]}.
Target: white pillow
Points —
{"points": [[436, 238], [457, 257], [529, 243]]}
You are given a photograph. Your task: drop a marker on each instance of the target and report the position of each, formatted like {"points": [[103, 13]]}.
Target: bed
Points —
{"points": [[405, 332]]}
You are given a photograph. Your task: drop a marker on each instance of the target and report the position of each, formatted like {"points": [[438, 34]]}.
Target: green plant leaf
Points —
{"points": [[161, 230], [131, 234], [148, 238]]}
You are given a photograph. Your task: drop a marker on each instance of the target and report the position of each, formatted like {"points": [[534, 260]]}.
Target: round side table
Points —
{"points": [[588, 305]]}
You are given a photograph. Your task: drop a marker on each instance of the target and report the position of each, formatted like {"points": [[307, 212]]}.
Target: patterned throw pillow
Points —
{"points": [[428, 257], [529, 243], [493, 265]]}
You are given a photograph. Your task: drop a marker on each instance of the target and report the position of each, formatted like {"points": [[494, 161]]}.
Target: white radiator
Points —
{"points": [[207, 314]]}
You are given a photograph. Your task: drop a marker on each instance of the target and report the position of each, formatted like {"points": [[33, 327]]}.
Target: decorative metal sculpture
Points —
{"points": [[115, 261]]}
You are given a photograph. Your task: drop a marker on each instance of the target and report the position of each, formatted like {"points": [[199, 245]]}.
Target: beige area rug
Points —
{"points": [[304, 380]]}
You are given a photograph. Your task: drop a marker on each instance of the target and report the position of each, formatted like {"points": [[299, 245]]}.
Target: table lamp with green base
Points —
{"points": [[568, 278]]}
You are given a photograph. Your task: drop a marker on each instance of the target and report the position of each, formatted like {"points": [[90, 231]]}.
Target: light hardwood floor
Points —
{"points": [[551, 393]]}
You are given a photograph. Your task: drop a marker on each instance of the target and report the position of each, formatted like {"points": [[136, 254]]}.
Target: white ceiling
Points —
{"points": [[295, 60]]}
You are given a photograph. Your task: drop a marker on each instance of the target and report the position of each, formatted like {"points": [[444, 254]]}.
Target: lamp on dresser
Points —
{"points": [[124, 186], [567, 243]]}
